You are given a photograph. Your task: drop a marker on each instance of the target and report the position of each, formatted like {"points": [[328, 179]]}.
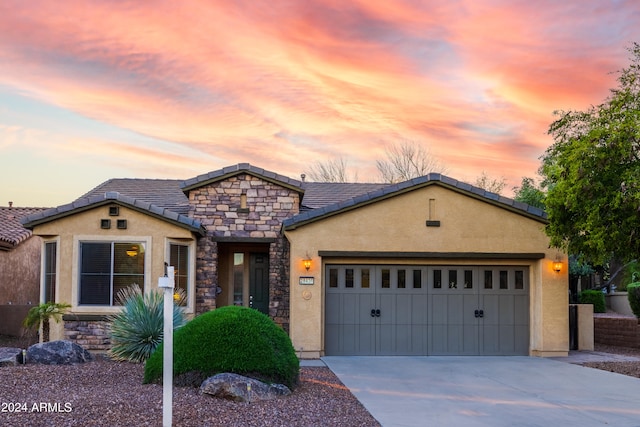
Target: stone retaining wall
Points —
{"points": [[90, 334], [618, 331]]}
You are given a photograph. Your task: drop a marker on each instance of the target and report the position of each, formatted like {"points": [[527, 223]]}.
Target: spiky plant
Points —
{"points": [[137, 330], [42, 314]]}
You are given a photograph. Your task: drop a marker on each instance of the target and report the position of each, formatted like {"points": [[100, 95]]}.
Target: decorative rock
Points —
{"points": [[242, 389], [10, 356], [57, 353]]}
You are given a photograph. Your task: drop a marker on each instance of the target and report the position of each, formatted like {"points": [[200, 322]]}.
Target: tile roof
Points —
{"points": [[165, 193], [229, 171], [12, 233], [320, 194], [91, 202], [410, 185]]}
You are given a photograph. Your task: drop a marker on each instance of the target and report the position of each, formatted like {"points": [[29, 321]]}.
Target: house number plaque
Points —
{"points": [[306, 280]]}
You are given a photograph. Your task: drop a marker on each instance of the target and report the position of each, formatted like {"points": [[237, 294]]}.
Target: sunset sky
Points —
{"points": [[92, 90]]}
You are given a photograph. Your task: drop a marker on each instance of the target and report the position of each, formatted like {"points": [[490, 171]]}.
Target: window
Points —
{"points": [[50, 252], [348, 279], [108, 267], [364, 275], [179, 259]]}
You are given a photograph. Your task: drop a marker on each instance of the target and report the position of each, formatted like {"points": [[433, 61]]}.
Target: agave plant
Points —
{"points": [[42, 314], [137, 330]]}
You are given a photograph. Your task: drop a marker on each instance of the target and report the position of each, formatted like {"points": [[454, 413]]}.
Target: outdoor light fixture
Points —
{"points": [[307, 263], [557, 265]]}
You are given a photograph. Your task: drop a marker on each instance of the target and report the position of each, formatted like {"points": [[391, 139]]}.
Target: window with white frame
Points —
{"points": [[49, 271], [108, 267], [179, 259]]}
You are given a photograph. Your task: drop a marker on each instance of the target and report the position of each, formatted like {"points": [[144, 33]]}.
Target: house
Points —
{"points": [[428, 266], [19, 268]]}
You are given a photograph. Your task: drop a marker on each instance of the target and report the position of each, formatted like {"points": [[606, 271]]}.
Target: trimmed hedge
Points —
{"points": [[595, 297], [633, 294], [231, 339]]}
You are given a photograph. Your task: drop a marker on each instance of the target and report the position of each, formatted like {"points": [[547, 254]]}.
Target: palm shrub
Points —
{"points": [[42, 314], [138, 329], [595, 297], [633, 295], [229, 339]]}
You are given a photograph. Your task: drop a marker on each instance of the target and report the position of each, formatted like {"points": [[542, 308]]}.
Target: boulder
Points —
{"points": [[57, 353], [10, 356], [242, 389]]}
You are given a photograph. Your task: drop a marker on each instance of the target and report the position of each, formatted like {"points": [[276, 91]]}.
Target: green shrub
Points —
{"points": [[595, 297], [229, 339], [138, 329], [633, 294]]}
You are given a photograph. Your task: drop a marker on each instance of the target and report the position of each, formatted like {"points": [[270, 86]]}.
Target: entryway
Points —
{"points": [[244, 276], [426, 310]]}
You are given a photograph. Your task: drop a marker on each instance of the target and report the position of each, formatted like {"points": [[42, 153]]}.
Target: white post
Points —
{"points": [[167, 284]]}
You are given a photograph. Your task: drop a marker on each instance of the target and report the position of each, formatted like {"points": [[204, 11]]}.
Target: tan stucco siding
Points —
{"points": [[398, 224], [69, 231]]}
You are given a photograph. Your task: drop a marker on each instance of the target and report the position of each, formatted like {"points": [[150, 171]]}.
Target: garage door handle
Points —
{"points": [[479, 313], [375, 313]]}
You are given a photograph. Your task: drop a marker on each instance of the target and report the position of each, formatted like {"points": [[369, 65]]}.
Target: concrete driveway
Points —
{"points": [[488, 391]]}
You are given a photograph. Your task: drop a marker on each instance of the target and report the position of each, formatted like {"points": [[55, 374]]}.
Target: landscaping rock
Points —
{"points": [[10, 356], [242, 389], [57, 353]]}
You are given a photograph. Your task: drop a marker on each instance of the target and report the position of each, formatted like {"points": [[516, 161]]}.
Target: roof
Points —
{"points": [[12, 233], [241, 168], [320, 194], [111, 197], [388, 191], [165, 193]]}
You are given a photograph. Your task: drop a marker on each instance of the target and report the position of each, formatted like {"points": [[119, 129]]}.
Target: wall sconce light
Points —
{"points": [[557, 265], [307, 263]]}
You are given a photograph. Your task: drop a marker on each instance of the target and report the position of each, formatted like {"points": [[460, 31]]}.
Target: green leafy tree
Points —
{"points": [[592, 172], [42, 315], [529, 193]]}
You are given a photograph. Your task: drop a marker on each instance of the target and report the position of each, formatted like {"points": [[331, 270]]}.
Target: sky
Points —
{"points": [[93, 90]]}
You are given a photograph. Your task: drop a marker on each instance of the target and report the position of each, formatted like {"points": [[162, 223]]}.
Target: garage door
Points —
{"points": [[418, 310]]}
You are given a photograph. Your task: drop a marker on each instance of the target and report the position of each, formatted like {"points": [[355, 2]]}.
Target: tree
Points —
{"points": [[592, 172], [407, 160], [493, 185], [529, 193], [42, 314], [334, 170]]}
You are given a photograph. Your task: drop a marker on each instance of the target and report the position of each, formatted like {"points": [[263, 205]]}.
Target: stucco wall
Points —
{"points": [[70, 230], [398, 224], [20, 273]]}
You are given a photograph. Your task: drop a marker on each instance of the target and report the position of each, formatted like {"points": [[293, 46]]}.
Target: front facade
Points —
{"points": [[430, 266]]}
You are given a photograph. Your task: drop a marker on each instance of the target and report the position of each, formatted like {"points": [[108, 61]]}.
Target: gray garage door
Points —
{"points": [[418, 310]]}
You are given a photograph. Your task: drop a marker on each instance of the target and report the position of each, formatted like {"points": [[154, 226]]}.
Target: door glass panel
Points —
{"points": [[348, 278], [386, 278], [504, 282], [488, 279], [238, 278], [453, 279], [437, 279], [417, 279], [468, 279], [333, 277], [364, 275], [519, 279], [402, 279]]}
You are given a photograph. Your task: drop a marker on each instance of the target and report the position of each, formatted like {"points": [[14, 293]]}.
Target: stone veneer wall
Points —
{"points": [[218, 207], [90, 334], [617, 331]]}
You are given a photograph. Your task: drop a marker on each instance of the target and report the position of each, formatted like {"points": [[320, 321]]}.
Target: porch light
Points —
{"points": [[557, 265], [307, 263]]}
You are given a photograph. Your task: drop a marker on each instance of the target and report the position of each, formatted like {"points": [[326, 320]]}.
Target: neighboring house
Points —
{"points": [[428, 266], [19, 268]]}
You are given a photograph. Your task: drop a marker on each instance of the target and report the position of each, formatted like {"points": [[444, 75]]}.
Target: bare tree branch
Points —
{"points": [[406, 160]]}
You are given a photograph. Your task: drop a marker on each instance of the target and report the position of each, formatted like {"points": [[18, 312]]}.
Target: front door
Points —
{"points": [[259, 282]]}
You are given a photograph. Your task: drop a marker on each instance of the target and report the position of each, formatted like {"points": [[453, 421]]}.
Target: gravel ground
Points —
{"points": [[107, 393]]}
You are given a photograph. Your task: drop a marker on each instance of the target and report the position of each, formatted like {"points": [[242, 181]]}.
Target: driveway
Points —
{"points": [[488, 391]]}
